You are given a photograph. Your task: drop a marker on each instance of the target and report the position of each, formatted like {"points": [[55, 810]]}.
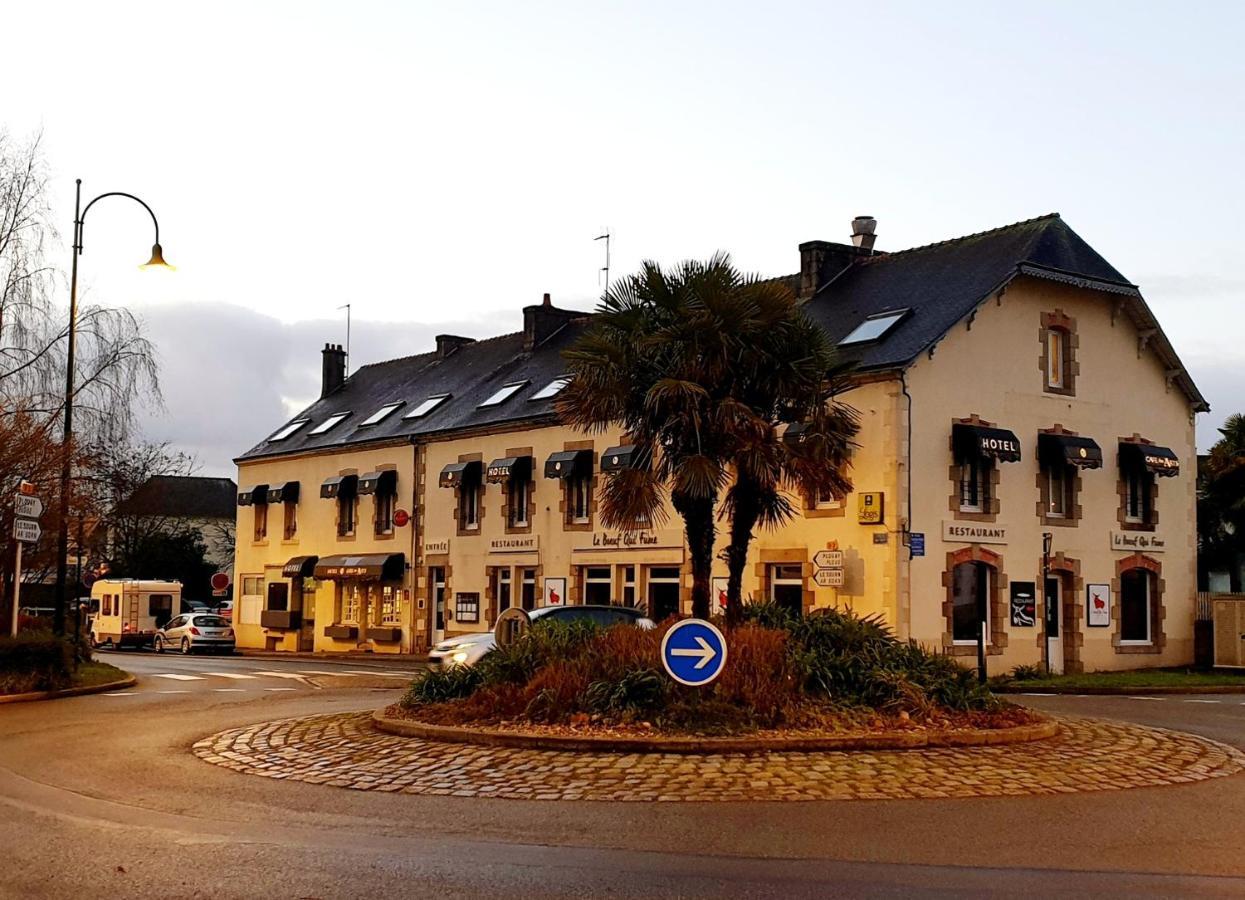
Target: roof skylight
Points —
{"points": [[504, 393], [331, 422], [874, 327], [289, 429], [381, 414], [552, 389], [427, 406]]}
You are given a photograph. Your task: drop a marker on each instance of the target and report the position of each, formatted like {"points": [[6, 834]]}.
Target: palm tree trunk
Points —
{"points": [[743, 524], [697, 513]]}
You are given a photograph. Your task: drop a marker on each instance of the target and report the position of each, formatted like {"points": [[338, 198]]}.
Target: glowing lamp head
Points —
{"points": [[157, 259]]}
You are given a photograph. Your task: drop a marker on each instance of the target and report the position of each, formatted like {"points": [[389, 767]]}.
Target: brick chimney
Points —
{"points": [[448, 343], [333, 372], [541, 322], [823, 261]]}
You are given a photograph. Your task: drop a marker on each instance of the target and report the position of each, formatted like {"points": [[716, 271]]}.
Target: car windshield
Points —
{"points": [[211, 621]]}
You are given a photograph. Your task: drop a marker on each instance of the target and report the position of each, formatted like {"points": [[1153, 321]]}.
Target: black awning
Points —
{"points": [[1151, 457], [345, 486], [257, 495], [461, 473], [508, 467], [566, 463], [367, 567], [615, 459], [796, 433], [384, 483], [299, 567], [1069, 450], [283, 493], [978, 440]]}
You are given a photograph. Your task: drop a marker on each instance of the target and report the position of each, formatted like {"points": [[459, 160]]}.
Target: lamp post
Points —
{"points": [[1047, 619], [157, 260]]}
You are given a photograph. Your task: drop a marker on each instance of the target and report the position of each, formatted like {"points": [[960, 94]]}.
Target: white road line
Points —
{"points": [[280, 689], [379, 674], [121, 694], [230, 690], [236, 676], [1145, 698], [293, 675], [334, 674], [172, 692], [177, 677], [1203, 701], [1033, 694]]}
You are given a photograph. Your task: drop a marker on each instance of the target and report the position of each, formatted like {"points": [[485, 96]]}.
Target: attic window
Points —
{"points": [[427, 406], [874, 327], [504, 393], [330, 423], [553, 388], [381, 414], [289, 429]]}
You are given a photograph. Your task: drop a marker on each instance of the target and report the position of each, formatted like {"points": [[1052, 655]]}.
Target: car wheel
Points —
{"points": [[158, 645], [186, 646]]}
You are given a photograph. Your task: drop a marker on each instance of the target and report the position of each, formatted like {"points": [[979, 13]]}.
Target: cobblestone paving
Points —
{"points": [[1087, 755]]}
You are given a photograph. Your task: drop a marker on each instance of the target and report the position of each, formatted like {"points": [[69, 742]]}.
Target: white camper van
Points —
{"points": [[130, 610]]}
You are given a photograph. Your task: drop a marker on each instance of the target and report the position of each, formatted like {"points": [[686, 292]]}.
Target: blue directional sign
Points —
{"points": [[693, 652]]}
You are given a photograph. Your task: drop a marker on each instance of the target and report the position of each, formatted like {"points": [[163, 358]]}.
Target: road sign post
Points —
{"points": [[17, 589], [26, 511], [828, 577], [693, 652]]}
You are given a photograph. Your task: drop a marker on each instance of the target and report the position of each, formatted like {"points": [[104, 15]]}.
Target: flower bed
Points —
{"points": [[830, 673]]}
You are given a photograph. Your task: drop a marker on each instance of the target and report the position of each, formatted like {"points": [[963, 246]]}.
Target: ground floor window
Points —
{"points": [[390, 606], [352, 602], [628, 585], [1135, 599], [663, 592], [278, 596], [598, 586], [970, 609], [502, 589], [528, 590], [786, 586]]}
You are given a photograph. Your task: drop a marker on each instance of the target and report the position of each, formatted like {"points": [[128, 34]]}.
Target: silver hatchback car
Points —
{"points": [[196, 631]]}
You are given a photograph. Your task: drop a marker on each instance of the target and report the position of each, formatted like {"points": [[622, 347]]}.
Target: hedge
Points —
{"points": [[34, 662]]}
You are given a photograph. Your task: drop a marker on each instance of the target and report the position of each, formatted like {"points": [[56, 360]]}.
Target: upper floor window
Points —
{"points": [[1056, 358], [518, 496], [579, 497], [384, 514], [1058, 488], [975, 484], [291, 521], [261, 521], [469, 506], [1138, 490], [345, 515]]}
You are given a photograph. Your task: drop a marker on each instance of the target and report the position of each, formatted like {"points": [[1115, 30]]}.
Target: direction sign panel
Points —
{"points": [[693, 652], [828, 559], [828, 577], [27, 506], [26, 530]]}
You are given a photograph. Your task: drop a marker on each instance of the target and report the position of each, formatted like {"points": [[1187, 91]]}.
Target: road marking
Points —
{"points": [[1033, 694], [280, 689], [334, 674], [1145, 698], [381, 674], [237, 676], [292, 675], [230, 690], [121, 694], [1202, 701], [177, 677], [172, 692]]}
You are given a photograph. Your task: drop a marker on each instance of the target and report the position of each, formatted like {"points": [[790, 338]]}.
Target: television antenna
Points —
{"points": [[346, 307], [605, 268]]}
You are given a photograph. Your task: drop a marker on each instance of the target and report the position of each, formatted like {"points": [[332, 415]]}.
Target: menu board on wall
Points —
{"points": [[467, 607]]}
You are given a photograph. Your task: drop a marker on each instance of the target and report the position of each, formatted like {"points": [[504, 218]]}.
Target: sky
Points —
{"points": [[440, 166]]}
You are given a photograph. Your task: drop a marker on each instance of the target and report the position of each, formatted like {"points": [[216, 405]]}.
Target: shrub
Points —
{"points": [[440, 685], [1027, 673], [635, 692], [760, 676], [34, 661]]}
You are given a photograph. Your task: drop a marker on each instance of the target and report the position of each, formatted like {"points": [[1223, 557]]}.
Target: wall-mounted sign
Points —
{"points": [[1024, 604], [870, 508], [916, 543], [401, 518], [828, 559], [635, 540], [1137, 542], [518, 543], [441, 546], [881, 537], [467, 607], [974, 532], [719, 593], [555, 591], [828, 577], [1098, 605]]}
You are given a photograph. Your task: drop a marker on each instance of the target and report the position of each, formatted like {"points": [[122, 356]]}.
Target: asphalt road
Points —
{"points": [[1220, 717], [99, 797]]}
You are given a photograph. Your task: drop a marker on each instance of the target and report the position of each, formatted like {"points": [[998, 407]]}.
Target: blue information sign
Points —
{"points": [[916, 543], [693, 652]]}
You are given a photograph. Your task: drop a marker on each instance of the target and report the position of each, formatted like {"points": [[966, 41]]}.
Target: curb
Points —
{"points": [[127, 682], [1125, 691], [889, 740]]}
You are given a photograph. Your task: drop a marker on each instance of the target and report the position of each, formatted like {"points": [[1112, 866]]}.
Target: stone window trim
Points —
{"points": [[1122, 488], [991, 513], [564, 505], [1075, 510], [481, 506], [1158, 638], [1061, 322], [997, 606], [531, 496], [768, 558], [1072, 610]]}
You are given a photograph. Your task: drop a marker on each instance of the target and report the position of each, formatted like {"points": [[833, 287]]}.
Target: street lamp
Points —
{"points": [[156, 261], [1047, 539]]}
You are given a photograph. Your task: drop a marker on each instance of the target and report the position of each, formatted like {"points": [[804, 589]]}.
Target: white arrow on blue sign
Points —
{"points": [[693, 652]]}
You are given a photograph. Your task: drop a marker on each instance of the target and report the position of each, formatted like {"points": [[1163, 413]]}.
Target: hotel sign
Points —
{"points": [[519, 543], [974, 532], [1137, 542]]}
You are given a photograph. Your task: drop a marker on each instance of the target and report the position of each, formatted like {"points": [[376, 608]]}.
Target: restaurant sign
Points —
{"points": [[634, 540], [974, 532], [519, 543], [1137, 542]]}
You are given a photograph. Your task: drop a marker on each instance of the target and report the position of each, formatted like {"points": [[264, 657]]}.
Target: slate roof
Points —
{"points": [[939, 283], [183, 496]]}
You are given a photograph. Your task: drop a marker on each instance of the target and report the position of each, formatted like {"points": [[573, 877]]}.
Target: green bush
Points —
{"points": [[1026, 673], [440, 685], [35, 661]]}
